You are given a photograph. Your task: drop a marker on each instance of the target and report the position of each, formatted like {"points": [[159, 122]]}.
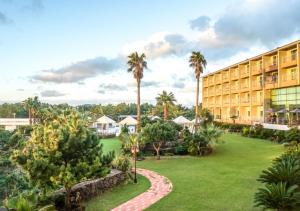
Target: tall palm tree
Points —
{"points": [[198, 62], [136, 64], [166, 100]]}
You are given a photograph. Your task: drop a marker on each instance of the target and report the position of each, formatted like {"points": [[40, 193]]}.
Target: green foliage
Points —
{"points": [[286, 169], [292, 135], [160, 131], [122, 163], [201, 143], [24, 205], [62, 152], [282, 183], [206, 117], [278, 196]]}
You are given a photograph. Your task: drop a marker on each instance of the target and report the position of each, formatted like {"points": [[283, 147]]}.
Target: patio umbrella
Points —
{"points": [[270, 110], [282, 111], [296, 110]]}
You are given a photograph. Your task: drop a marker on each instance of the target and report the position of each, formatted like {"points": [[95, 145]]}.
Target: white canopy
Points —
{"points": [[105, 120], [182, 120], [128, 121]]}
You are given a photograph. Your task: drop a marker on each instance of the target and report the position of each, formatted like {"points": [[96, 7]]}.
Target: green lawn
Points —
{"points": [[110, 144], [118, 195], [225, 180]]}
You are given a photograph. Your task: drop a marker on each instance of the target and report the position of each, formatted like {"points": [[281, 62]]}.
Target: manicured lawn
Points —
{"points": [[118, 195], [225, 180], [110, 144]]}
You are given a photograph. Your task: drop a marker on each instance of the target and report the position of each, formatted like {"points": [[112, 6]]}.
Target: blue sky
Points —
{"points": [[75, 51]]}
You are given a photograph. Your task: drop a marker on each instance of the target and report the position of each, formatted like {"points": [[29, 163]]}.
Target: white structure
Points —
{"points": [[12, 123], [105, 126], [131, 124], [184, 122]]}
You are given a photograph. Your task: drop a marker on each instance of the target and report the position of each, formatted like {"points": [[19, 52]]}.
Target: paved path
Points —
{"points": [[160, 187]]}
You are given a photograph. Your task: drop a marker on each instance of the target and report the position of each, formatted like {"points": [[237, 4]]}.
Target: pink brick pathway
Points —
{"points": [[160, 187]]}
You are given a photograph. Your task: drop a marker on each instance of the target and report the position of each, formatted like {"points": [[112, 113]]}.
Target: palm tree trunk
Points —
{"points": [[138, 105], [165, 112], [197, 105], [30, 117]]}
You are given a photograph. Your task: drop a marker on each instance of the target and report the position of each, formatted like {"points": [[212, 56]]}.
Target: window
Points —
{"points": [[293, 74], [261, 113], [294, 54], [248, 113], [274, 60]]}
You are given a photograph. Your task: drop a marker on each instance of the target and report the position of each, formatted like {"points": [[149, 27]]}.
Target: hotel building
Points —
{"points": [[265, 88]]}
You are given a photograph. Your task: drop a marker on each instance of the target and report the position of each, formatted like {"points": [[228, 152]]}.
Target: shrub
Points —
{"points": [[292, 135], [278, 196], [181, 150], [23, 205], [246, 131], [122, 163]]}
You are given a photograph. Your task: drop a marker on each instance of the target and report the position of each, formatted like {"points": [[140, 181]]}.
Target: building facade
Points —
{"points": [[265, 88]]}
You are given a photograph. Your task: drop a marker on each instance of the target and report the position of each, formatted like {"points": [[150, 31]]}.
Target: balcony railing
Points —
{"points": [[271, 67], [289, 60], [256, 70], [257, 85], [244, 73], [225, 77]]}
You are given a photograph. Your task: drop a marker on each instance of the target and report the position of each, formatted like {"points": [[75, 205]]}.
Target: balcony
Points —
{"points": [[256, 70], [218, 79], [234, 75], [244, 87], [225, 77], [271, 82], [226, 90], [234, 102], [235, 89], [257, 101], [256, 85], [245, 73], [226, 102], [218, 91], [288, 82], [289, 61], [271, 67], [205, 82], [245, 102], [210, 82], [211, 92], [218, 103]]}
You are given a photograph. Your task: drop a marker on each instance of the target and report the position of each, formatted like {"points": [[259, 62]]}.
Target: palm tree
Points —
{"points": [[136, 64], [132, 142], [166, 100], [198, 62], [32, 105]]}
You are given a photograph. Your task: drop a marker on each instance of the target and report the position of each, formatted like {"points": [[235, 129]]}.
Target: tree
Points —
{"points": [[132, 142], [158, 134], [198, 62], [136, 64], [166, 100], [32, 105], [62, 152]]}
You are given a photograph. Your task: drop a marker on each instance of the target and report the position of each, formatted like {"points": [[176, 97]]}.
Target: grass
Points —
{"points": [[110, 144], [225, 180], [118, 195]]}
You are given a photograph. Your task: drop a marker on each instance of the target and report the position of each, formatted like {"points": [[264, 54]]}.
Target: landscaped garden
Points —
{"points": [[225, 180]]}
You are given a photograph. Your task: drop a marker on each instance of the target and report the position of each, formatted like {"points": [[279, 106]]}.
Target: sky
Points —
{"points": [[75, 51]]}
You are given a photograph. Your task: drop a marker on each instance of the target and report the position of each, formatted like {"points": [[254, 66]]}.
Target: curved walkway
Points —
{"points": [[160, 187]]}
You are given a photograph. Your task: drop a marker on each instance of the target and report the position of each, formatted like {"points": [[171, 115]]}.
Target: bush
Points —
{"points": [[181, 150], [122, 163], [292, 135], [23, 205]]}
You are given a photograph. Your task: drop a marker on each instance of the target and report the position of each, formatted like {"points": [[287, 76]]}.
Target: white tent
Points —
{"points": [[130, 122], [105, 125], [184, 122]]}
